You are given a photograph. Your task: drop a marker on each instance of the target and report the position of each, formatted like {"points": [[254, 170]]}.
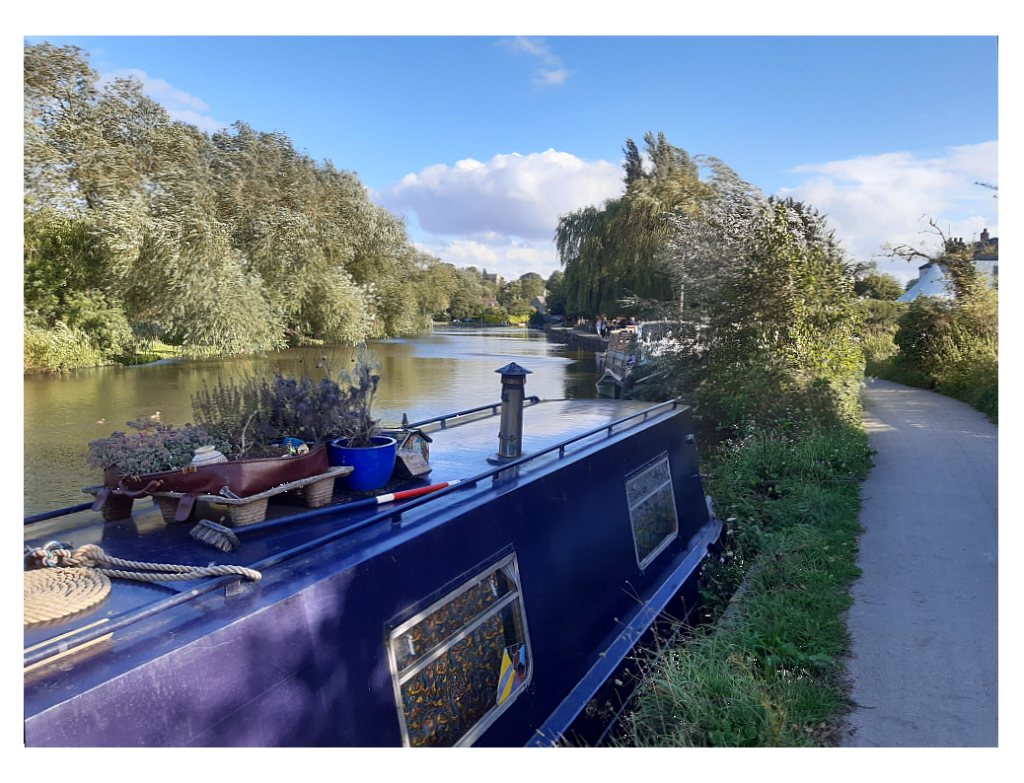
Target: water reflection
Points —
{"points": [[426, 376]]}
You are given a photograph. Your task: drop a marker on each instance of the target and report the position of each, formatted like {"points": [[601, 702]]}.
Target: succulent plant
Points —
{"points": [[152, 448]]}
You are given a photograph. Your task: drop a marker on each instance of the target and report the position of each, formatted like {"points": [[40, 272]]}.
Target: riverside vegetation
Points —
{"points": [[777, 324], [146, 237], [772, 367]]}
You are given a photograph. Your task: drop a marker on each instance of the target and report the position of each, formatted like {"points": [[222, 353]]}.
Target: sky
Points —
{"points": [[481, 141]]}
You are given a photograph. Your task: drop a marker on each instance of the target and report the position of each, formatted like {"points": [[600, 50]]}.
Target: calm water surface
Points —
{"points": [[423, 377]]}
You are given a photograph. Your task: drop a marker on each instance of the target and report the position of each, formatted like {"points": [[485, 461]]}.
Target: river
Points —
{"points": [[447, 371]]}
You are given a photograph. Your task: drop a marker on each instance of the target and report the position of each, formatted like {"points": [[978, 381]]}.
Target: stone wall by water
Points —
{"points": [[578, 340]]}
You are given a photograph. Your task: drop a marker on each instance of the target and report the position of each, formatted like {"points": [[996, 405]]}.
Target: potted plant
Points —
{"points": [[152, 448], [360, 442]]}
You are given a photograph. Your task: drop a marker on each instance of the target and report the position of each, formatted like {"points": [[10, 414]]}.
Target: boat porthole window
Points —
{"points": [[459, 663], [652, 509]]}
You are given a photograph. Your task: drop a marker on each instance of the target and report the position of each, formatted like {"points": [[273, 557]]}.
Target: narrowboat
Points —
{"points": [[630, 356], [504, 609]]}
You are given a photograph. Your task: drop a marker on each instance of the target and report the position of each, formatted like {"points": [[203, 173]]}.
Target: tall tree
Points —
{"points": [[610, 253], [224, 244]]}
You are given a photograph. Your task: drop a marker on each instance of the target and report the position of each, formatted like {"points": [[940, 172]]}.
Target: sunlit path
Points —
{"points": [[924, 618]]}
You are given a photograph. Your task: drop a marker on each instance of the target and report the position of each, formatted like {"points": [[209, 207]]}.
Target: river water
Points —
{"points": [[427, 376]]}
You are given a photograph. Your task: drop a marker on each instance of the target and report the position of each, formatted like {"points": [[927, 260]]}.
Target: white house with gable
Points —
{"points": [[932, 279]]}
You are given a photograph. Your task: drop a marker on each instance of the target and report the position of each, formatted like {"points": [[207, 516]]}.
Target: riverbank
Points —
{"points": [[32, 364]]}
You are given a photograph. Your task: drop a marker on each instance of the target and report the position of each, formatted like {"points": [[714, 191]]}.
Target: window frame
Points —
{"points": [[661, 458], [400, 676]]}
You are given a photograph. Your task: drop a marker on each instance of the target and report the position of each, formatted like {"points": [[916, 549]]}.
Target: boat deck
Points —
{"points": [[596, 531], [459, 451]]}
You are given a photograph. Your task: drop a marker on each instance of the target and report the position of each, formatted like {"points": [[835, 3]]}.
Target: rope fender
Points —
{"points": [[57, 554], [61, 582]]}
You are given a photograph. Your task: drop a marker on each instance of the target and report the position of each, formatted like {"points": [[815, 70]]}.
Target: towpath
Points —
{"points": [[924, 620]]}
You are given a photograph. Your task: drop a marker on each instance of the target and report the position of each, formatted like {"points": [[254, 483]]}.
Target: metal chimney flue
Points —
{"points": [[513, 395]]}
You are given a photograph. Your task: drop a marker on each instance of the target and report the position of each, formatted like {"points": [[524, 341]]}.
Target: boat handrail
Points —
{"points": [[494, 408], [60, 512], [43, 652]]}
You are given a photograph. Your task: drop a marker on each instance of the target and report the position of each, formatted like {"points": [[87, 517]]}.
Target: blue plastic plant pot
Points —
{"points": [[371, 467]]}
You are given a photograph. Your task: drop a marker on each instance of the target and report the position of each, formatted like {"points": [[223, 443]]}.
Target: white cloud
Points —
{"points": [[500, 214], [553, 73], [876, 199], [179, 104], [509, 200], [557, 76]]}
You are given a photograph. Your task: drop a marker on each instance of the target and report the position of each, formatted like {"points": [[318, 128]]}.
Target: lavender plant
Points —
{"points": [[152, 448], [360, 387], [256, 413]]}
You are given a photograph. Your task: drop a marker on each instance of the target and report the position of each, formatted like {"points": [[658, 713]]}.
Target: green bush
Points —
{"points": [[782, 342], [881, 314], [929, 334], [59, 348], [975, 380], [879, 349], [103, 321]]}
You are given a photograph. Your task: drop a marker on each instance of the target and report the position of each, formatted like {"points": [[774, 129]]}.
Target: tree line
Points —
{"points": [[139, 228]]}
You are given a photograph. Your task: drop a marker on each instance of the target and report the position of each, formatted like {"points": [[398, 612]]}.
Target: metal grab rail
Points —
{"points": [[58, 513], [533, 400], [394, 515]]}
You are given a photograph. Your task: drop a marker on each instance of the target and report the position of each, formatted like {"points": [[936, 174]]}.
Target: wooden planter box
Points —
{"points": [[317, 490]]}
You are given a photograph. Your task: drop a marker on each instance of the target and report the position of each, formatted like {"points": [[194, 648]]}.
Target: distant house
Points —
{"points": [[488, 301], [986, 254], [540, 304], [932, 278]]}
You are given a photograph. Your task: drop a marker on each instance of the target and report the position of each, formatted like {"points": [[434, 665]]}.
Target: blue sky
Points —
{"points": [[482, 141]]}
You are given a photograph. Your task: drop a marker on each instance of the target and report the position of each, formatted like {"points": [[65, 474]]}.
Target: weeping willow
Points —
{"points": [[611, 253], [223, 244]]}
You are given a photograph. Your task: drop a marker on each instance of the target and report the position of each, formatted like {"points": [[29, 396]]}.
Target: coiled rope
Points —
{"points": [[70, 581]]}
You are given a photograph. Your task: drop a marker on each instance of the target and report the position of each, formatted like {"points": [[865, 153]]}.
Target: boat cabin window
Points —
{"points": [[652, 509], [461, 662]]}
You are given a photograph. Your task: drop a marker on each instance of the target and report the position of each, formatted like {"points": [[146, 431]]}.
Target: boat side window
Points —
{"points": [[652, 509], [462, 661]]}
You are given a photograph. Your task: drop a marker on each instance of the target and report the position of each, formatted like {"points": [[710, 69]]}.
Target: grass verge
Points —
{"points": [[153, 353], [768, 671]]}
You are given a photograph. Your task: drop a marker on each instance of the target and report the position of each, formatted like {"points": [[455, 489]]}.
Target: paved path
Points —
{"points": [[924, 618]]}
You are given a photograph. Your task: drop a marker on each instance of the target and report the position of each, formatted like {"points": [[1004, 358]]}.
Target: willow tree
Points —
{"points": [[225, 244], [611, 252]]}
